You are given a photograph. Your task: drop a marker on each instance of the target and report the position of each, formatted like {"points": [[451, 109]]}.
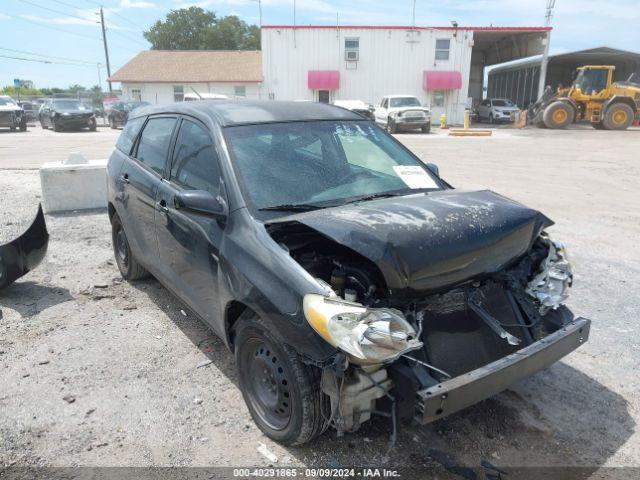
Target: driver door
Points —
{"points": [[189, 243]]}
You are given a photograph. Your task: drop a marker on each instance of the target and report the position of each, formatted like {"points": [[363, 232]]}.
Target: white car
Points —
{"points": [[11, 114], [357, 106], [194, 97], [403, 112], [497, 110]]}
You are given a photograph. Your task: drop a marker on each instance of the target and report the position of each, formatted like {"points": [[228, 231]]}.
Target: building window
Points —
{"points": [[437, 98], [240, 91], [136, 94], [442, 49], [352, 49], [178, 93]]}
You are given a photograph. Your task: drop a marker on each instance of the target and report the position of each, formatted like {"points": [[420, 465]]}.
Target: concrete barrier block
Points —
{"points": [[75, 184]]}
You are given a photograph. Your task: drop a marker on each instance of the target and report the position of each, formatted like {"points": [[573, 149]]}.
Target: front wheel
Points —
{"points": [[391, 126], [93, 126], [112, 123], [55, 125], [282, 393], [558, 115], [426, 128]]}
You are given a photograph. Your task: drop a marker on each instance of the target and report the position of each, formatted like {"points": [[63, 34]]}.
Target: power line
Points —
{"points": [[40, 24], [46, 61], [55, 11], [47, 56]]}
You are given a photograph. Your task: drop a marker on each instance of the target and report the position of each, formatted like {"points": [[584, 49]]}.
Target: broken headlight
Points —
{"points": [[551, 283], [367, 335]]}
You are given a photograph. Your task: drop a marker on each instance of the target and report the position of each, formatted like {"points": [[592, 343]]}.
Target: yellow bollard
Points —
{"points": [[443, 120], [467, 115]]}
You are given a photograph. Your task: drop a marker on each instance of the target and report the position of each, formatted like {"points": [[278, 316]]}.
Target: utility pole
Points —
{"points": [[106, 49], [545, 56]]}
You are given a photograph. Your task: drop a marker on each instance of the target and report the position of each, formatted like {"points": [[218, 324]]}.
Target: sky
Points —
{"points": [[67, 33]]}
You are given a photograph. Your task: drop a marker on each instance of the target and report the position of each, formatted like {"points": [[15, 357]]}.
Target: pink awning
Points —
{"points": [[324, 79], [440, 80]]}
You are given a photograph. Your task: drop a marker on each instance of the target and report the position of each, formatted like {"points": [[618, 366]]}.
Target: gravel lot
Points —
{"points": [[97, 372]]}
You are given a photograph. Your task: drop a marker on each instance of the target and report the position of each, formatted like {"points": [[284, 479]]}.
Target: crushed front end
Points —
{"points": [[427, 353]]}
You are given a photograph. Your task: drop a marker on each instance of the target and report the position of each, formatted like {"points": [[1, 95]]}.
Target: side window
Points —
{"points": [[178, 93], [195, 161], [442, 49], [128, 135], [154, 143], [385, 102]]}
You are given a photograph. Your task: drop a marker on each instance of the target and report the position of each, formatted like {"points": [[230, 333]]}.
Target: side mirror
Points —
{"points": [[201, 202], [434, 169]]}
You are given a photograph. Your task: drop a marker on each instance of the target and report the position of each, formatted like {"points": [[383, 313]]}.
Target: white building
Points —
{"points": [[443, 66], [161, 76]]}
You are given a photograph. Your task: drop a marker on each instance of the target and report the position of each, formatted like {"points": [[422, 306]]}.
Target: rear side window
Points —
{"points": [[128, 135], [154, 143], [195, 161]]}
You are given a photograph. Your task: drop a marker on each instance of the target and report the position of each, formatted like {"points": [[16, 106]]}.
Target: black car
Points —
{"points": [[119, 112], [346, 276], [30, 110], [64, 113]]}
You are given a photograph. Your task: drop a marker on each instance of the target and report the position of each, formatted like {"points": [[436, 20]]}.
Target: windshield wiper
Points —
{"points": [[293, 207], [373, 196]]}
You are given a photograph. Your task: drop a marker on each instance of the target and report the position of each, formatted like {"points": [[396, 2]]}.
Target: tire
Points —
{"points": [[44, 127], [23, 126], [558, 115], [618, 116], [129, 267], [491, 120], [282, 393], [93, 126], [426, 128], [112, 123], [391, 126], [597, 125], [55, 126]]}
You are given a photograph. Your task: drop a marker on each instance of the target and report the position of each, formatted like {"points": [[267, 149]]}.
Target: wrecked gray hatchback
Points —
{"points": [[347, 277]]}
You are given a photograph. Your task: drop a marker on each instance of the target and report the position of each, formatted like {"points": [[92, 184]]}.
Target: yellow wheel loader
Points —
{"points": [[593, 97]]}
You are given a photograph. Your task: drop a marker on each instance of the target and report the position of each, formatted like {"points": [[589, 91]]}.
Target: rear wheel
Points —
{"points": [[558, 115], [129, 267], [618, 116], [282, 393]]}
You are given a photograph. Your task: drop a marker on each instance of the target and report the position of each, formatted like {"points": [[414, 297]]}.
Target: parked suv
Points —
{"points": [[345, 275], [119, 112], [61, 113], [496, 110], [12, 115], [403, 112]]}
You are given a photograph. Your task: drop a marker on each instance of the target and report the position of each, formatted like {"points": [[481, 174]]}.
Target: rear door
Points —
{"points": [[141, 174], [189, 243]]}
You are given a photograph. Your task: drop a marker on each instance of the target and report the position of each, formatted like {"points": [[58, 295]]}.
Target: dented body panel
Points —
{"points": [[428, 241], [20, 256]]}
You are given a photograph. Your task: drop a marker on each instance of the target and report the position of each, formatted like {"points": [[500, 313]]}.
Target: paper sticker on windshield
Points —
{"points": [[415, 177]]}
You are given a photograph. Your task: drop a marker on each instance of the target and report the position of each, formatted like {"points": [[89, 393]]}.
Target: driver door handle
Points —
{"points": [[162, 207], [124, 177]]}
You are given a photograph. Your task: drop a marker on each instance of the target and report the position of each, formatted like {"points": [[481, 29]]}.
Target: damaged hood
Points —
{"points": [[428, 241]]}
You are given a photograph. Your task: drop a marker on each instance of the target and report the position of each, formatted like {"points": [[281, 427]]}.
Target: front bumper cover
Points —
{"points": [[465, 390], [19, 257]]}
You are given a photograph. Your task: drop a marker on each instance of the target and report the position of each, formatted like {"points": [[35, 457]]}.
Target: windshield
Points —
{"points": [[591, 80], [405, 102], [6, 101], [69, 105], [502, 103], [322, 163], [133, 105]]}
